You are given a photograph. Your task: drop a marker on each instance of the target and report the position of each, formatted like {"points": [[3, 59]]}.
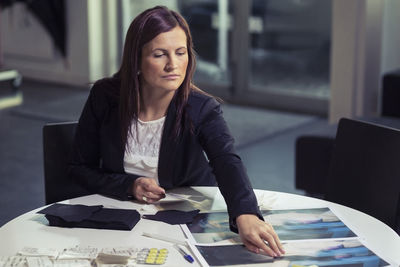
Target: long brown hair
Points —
{"points": [[145, 27]]}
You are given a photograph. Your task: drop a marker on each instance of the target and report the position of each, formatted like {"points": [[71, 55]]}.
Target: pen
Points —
{"points": [[164, 238], [174, 241], [184, 254]]}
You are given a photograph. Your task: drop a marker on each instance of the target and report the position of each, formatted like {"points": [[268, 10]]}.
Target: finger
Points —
{"points": [[281, 248], [272, 232], [260, 244], [144, 185], [153, 187], [153, 195], [257, 241], [267, 236], [153, 198], [138, 188], [140, 195], [251, 247], [277, 240]]}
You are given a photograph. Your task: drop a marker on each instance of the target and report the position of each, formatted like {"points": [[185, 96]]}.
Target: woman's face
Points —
{"points": [[164, 61]]}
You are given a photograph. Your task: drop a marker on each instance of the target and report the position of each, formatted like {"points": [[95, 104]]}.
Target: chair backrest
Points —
{"points": [[312, 160], [57, 145], [365, 169], [391, 94]]}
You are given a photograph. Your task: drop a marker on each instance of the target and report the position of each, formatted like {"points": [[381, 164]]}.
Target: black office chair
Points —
{"points": [[312, 160], [57, 144], [365, 171], [391, 94]]}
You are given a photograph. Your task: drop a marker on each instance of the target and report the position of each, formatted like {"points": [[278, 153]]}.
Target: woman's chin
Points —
{"points": [[171, 86]]}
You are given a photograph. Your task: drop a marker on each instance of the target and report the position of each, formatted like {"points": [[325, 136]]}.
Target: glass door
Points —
{"points": [[270, 53], [210, 24], [289, 53]]}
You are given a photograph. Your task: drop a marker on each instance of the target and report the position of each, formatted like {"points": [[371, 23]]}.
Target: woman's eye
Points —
{"points": [[181, 53], [158, 55]]}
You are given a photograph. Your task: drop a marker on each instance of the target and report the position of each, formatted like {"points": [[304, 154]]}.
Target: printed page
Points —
{"points": [[313, 236], [324, 252], [212, 228]]}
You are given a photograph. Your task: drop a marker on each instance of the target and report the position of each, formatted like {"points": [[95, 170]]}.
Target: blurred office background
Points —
{"points": [[284, 68]]}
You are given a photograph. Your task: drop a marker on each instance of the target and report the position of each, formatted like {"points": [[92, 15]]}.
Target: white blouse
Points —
{"points": [[143, 147]]}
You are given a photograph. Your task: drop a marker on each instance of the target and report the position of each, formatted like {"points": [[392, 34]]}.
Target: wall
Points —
{"points": [[391, 36], [92, 38], [28, 48], [355, 58], [132, 8], [103, 38]]}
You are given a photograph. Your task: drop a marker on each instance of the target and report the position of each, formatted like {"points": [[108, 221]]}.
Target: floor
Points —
{"points": [[268, 157]]}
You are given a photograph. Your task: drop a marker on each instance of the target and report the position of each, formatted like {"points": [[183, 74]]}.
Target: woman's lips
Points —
{"points": [[171, 77]]}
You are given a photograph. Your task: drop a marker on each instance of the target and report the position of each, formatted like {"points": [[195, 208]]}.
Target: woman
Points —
{"points": [[146, 130]]}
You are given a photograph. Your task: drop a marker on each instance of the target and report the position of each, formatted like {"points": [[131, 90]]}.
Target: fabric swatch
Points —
{"points": [[173, 216], [98, 217]]}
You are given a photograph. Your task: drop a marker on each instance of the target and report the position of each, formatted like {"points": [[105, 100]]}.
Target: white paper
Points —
{"points": [[37, 252], [13, 261], [72, 263], [119, 255], [78, 253], [39, 261]]}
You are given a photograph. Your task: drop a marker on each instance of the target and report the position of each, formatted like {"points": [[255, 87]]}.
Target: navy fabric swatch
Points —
{"points": [[97, 217], [173, 216], [70, 213]]}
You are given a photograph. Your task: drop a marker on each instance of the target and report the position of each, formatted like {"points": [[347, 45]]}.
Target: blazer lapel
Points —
{"points": [[167, 148], [116, 148]]}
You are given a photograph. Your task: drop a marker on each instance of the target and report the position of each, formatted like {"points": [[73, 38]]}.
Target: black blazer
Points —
{"points": [[97, 158]]}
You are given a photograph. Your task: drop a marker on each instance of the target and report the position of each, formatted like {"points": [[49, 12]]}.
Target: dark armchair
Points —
{"points": [[358, 168], [57, 144]]}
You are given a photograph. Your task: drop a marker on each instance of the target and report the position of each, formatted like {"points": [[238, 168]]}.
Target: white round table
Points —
{"points": [[31, 229]]}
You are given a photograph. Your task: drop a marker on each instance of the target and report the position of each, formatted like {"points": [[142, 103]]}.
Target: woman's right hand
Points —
{"points": [[147, 190]]}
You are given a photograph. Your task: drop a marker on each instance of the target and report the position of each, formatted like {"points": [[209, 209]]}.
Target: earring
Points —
{"points": [[138, 73]]}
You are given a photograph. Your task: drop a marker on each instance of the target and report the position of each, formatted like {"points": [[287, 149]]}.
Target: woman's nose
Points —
{"points": [[171, 64]]}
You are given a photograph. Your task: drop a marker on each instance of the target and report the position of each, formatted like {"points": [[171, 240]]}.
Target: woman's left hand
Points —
{"points": [[254, 232]]}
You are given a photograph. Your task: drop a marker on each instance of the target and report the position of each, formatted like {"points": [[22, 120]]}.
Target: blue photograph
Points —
{"points": [[292, 224], [332, 253]]}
